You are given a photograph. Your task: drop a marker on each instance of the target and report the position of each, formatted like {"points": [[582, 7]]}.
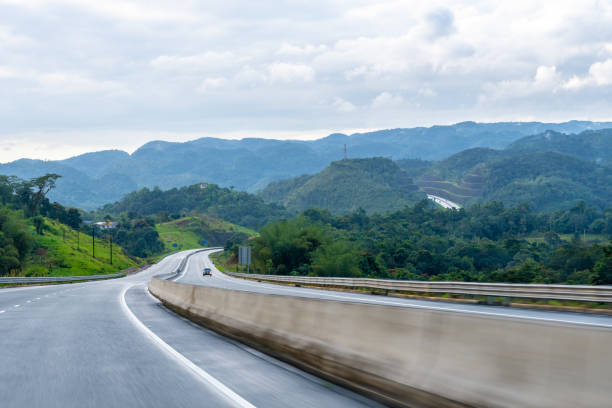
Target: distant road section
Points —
{"points": [[443, 202]]}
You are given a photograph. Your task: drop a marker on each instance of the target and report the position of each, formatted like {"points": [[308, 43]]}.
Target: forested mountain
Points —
{"points": [[548, 171], [93, 179], [487, 243], [593, 146], [238, 207], [377, 185]]}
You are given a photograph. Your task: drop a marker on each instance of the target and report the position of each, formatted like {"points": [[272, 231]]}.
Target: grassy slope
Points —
{"points": [[64, 259], [188, 232]]}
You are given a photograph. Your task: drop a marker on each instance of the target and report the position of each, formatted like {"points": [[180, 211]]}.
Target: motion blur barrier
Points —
{"points": [[584, 293], [413, 356]]}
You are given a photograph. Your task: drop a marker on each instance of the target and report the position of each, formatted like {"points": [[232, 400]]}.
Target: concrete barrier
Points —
{"points": [[413, 357]]}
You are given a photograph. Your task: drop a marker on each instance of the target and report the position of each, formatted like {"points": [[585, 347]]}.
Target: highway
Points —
{"points": [[193, 275], [111, 344], [448, 204]]}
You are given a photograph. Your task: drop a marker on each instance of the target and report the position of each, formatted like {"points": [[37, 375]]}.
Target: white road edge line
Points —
{"points": [[16, 305], [197, 371], [2, 311]]}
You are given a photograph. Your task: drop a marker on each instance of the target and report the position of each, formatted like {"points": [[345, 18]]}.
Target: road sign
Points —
{"points": [[244, 255]]}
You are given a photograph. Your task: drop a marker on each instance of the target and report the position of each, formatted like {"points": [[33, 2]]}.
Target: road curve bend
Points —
{"points": [[111, 344]]}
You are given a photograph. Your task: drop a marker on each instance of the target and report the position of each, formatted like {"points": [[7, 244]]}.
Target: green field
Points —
{"points": [[190, 232], [56, 253]]}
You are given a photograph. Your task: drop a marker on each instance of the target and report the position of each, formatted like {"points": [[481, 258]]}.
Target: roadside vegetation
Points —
{"points": [[39, 238], [486, 243]]}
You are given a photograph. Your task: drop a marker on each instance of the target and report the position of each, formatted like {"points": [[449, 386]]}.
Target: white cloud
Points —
{"points": [[61, 82], [427, 92], [207, 60], [546, 80], [546, 77], [8, 38], [282, 66], [343, 106], [132, 10], [286, 72], [386, 100], [249, 76], [210, 84], [295, 50], [600, 74]]}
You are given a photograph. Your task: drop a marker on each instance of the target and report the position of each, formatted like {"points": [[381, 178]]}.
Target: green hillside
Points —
{"points": [[549, 171], [190, 232], [236, 207], [377, 185], [57, 253], [591, 145]]}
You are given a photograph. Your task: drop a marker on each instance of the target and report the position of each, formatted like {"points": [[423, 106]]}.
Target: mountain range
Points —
{"points": [[549, 171], [93, 179]]}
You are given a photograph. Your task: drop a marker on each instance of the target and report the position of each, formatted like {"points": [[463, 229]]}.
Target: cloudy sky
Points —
{"points": [[82, 75]]}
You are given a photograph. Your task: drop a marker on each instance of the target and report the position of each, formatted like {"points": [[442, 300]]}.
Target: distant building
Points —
{"points": [[203, 186], [105, 224]]}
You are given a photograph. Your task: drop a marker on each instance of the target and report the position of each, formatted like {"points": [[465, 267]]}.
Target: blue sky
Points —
{"points": [[83, 75]]}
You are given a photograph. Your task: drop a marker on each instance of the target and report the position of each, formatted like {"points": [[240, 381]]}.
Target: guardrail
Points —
{"points": [[582, 293], [42, 279]]}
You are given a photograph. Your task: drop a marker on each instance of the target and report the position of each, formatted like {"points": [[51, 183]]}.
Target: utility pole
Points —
{"points": [[344, 152], [93, 241]]}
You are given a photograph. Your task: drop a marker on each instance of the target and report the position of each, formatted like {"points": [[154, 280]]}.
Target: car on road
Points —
{"points": [[206, 271]]}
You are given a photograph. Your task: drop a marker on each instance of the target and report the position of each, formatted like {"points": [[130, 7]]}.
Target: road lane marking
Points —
{"points": [[29, 301], [16, 305], [197, 371], [2, 311], [37, 298]]}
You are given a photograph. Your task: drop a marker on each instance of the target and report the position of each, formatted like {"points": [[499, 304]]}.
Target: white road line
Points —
{"points": [[29, 301], [2, 311], [197, 371], [16, 305], [37, 298]]}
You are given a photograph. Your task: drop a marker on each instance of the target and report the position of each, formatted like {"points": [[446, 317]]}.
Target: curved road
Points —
{"points": [[111, 344], [196, 264]]}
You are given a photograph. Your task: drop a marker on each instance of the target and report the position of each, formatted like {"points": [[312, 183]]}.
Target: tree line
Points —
{"points": [[485, 242]]}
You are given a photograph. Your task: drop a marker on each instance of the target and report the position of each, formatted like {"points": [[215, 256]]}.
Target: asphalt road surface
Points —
{"points": [[111, 344]]}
